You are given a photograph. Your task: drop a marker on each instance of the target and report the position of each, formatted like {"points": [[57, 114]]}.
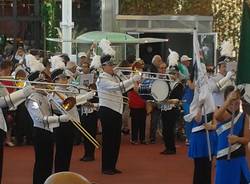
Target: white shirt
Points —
{"points": [[110, 91], [217, 94], [3, 92], [39, 107]]}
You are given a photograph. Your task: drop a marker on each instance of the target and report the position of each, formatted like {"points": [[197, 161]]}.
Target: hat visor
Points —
{"points": [[110, 63], [63, 75]]}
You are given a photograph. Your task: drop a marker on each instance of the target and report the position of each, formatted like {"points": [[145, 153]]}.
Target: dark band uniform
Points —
{"points": [[44, 121]]}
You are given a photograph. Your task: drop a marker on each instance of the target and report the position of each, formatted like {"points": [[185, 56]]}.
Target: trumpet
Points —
{"points": [[67, 105]]}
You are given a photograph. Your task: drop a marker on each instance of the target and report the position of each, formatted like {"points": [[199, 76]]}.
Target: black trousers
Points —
{"points": [[169, 119], [64, 139], [24, 124], [43, 146], [89, 122], [138, 124], [202, 171], [111, 137], [2, 139]]}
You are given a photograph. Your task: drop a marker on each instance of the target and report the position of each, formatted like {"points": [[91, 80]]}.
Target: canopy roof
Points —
{"points": [[113, 37]]}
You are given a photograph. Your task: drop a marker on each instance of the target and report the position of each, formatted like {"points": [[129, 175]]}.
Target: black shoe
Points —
{"points": [[170, 152], [87, 159], [163, 152], [134, 142], [144, 142], [117, 171], [152, 142], [108, 172]]}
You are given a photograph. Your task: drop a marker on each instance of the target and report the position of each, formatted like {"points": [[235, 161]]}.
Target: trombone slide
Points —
{"points": [[75, 122]]}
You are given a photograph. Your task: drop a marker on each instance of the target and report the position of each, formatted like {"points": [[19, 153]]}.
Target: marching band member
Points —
{"points": [[222, 79], [236, 169], [43, 122], [170, 110], [8, 101], [89, 118], [23, 121], [110, 112], [65, 133]]}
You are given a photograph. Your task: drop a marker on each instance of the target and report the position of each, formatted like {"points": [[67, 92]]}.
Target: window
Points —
{"points": [[6, 8], [25, 7]]}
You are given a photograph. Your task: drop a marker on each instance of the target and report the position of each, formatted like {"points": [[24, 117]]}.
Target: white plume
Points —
{"points": [[173, 58], [30, 59], [33, 64], [96, 62], [106, 48], [227, 48], [56, 63], [37, 67]]}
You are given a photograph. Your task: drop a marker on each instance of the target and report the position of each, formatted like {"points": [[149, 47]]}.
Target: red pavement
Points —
{"points": [[141, 164]]}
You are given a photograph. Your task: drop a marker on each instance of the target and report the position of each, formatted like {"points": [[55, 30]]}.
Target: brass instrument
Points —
{"points": [[23, 82], [144, 75], [68, 104]]}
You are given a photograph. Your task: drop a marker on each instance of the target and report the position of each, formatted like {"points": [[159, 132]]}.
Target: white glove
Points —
{"points": [[90, 95], [136, 77], [229, 74], [63, 118], [54, 125], [27, 90], [82, 99]]}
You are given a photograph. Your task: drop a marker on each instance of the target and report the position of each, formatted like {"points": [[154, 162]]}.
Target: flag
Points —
{"points": [[243, 74], [202, 96]]}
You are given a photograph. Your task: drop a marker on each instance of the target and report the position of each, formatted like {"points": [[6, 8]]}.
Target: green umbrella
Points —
{"points": [[97, 36], [114, 38]]}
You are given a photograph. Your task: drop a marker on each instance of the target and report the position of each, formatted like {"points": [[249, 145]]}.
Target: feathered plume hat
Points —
{"points": [[226, 52], [173, 59], [57, 67], [107, 55], [37, 72]]}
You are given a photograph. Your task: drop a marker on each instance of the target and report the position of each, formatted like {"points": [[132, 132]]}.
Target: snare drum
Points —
{"points": [[151, 89]]}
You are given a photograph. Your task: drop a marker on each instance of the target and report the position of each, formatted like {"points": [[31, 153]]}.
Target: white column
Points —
{"points": [[109, 10], [66, 26]]}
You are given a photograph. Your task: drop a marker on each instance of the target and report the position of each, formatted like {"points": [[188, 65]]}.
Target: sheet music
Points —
{"points": [[86, 79]]}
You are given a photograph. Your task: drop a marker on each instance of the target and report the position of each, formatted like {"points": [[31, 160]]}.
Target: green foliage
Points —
{"points": [[165, 7], [50, 20]]}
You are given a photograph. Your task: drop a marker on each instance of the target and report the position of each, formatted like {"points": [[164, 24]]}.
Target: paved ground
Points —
{"points": [[141, 164]]}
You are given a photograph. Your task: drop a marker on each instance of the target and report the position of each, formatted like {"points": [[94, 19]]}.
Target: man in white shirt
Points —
{"points": [[110, 90], [219, 82]]}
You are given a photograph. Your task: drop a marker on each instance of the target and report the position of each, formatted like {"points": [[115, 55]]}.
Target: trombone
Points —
{"points": [[67, 105], [22, 82], [40, 89]]}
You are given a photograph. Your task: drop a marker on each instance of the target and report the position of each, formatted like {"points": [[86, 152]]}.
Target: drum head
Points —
{"points": [[160, 90]]}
